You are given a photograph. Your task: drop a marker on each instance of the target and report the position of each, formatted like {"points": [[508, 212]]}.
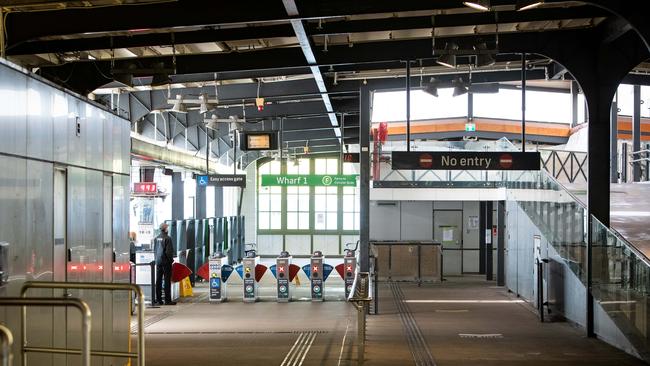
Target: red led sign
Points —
{"points": [[145, 187]]}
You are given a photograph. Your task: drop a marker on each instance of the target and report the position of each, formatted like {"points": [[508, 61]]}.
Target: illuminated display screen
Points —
{"points": [[262, 142]]}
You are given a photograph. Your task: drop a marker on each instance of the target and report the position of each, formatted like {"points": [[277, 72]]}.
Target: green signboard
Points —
{"points": [[309, 180]]}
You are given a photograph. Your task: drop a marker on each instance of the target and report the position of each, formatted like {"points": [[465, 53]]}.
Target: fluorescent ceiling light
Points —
{"points": [[528, 4], [482, 5]]}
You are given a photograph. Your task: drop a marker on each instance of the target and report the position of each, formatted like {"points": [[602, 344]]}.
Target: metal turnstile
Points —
{"points": [[217, 284], [248, 270], [316, 276], [349, 271], [282, 266]]}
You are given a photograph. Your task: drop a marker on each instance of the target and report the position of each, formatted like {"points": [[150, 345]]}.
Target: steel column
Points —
{"points": [[523, 102], [481, 237], [178, 196], [501, 231], [489, 243], [408, 105], [575, 89], [200, 202], [636, 134], [218, 201], [613, 141], [364, 178]]}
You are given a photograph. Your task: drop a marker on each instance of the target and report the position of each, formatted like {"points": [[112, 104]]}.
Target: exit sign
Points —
{"points": [[145, 187], [470, 127]]}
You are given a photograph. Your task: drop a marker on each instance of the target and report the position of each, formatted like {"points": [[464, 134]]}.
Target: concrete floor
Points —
{"points": [[497, 331]]}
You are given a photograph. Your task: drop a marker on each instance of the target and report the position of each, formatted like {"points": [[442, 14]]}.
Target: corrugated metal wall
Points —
{"points": [[38, 137]]}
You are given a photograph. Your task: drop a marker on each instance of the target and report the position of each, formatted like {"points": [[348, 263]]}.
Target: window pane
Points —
{"points": [[320, 190], [348, 221], [319, 203], [292, 202], [264, 220], [276, 190], [276, 202], [350, 168], [319, 223], [331, 190], [356, 221], [348, 203], [320, 166], [304, 190], [292, 220], [332, 203], [304, 221], [304, 203], [264, 202], [331, 221], [332, 166], [276, 220], [292, 190]]}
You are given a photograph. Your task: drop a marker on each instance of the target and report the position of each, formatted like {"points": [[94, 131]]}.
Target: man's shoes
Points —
{"points": [[157, 303], [170, 302]]}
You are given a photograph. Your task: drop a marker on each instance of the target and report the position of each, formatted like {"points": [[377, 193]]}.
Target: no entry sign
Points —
{"points": [[465, 160]]}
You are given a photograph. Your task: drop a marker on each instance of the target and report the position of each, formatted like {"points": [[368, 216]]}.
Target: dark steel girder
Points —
{"points": [[453, 20], [185, 13], [85, 76], [149, 39]]}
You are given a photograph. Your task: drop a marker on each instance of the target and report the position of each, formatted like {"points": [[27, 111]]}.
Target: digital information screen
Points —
{"points": [[259, 142]]}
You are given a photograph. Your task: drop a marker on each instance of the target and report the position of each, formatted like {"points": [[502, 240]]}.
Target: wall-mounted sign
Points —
{"points": [[145, 187], [222, 180], [351, 157], [258, 141], [310, 180], [465, 160]]}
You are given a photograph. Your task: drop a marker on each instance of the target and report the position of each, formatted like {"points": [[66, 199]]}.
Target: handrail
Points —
{"points": [[63, 302], [7, 342], [639, 152], [139, 355], [360, 297]]}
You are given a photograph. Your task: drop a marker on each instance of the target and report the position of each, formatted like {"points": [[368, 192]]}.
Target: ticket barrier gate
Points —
{"points": [[316, 276], [217, 281], [249, 265], [349, 271], [282, 268]]}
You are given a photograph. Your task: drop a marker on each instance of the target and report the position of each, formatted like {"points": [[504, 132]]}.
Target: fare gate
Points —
{"points": [[217, 282], [350, 269], [316, 276], [282, 266], [250, 285]]}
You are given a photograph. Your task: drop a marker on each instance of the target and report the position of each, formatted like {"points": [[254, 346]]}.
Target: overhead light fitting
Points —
{"points": [[528, 4], [483, 58], [459, 87], [448, 59], [205, 106], [432, 87], [431, 90], [179, 106], [482, 5]]}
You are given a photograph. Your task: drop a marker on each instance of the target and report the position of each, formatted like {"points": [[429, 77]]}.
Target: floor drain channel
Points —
{"points": [[417, 344]]}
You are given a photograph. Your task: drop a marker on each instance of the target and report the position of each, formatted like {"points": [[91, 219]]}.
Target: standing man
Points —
{"points": [[164, 251]]}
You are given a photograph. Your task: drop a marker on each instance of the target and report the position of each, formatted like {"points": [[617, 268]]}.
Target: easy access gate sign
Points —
{"points": [[465, 160], [286, 180]]}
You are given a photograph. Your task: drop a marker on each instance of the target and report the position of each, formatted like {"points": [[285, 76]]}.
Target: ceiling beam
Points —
{"points": [[138, 19], [452, 20], [149, 39], [306, 46]]}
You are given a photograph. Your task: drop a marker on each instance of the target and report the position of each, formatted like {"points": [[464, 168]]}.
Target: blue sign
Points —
{"points": [[273, 269], [202, 180], [214, 283]]}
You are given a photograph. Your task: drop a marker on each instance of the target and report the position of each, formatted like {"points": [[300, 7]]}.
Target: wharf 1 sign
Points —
{"points": [[309, 180], [222, 180], [465, 160]]}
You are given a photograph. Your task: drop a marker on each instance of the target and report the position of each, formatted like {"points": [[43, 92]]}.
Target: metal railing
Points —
{"points": [[565, 166], [139, 355], [7, 340], [46, 301], [360, 297]]}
